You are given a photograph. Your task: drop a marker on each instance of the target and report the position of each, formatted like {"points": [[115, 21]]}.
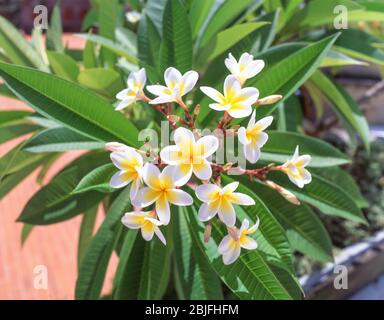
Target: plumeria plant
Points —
{"points": [[202, 138]]}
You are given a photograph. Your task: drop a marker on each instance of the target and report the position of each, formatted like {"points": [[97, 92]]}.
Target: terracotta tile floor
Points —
{"points": [[53, 246]]}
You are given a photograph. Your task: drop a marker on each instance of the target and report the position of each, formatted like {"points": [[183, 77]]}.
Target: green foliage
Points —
{"points": [[73, 95]]}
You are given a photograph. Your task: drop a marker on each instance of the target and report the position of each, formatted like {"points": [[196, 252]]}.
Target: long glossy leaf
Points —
{"points": [[54, 202], [286, 76], [69, 104], [176, 46], [94, 265], [252, 276], [346, 107], [198, 14], [304, 229], [194, 277], [60, 139], [326, 196], [55, 30], [16, 48], [63, 65], [323, 154], [345, 181], [98, 179], [86, 233]]}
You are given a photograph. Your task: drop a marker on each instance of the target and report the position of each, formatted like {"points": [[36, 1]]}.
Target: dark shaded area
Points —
{"points": [[20, 12]]}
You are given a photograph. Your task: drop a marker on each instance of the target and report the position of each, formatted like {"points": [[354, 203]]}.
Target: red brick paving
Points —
{"points": [[53, 246]]}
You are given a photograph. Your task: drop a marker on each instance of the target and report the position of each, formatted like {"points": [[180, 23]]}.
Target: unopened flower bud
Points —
{"points": [[289, 196], [269, 99], [173, 118], [207, 232], [196, 111], [115, 147], [227, 166]]}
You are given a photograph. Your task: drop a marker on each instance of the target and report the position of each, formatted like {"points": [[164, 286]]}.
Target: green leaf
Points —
{"points": [[54, 202], [60, 139], [14, 124], [323, 154], [359, 44], [327, 196], [69, 104], [55, 30], [25, 232], [304, 229], [95, 262], [89, 56], [194, 277], [337, 59], [97, 180], [224, 15], [110, 45], [286, 76], [227, 38], [155, 11], [63, 65], [86, 233], [198, 15], [252, 276], [10, 181], [7, 117], [16, 48], [104, 81], [176, 46], [148, 42], [345, 181], [319, 12], [345, 105]]}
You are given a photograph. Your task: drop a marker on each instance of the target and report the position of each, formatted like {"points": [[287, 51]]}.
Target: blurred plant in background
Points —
{"points": [[73, 94]]}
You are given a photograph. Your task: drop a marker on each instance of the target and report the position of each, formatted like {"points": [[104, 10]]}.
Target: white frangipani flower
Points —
{"points": [[253, 137], [190, 155], [236, 101], [136, 82], [161, 189], [245, 68], [220, 201], [295, 169], [230, 246], [130, 163], [133, 16], [116, 147], [177, 85], [146, 221]]}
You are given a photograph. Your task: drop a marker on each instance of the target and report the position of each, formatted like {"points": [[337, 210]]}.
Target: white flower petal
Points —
{"points": [[231, 64], [225, 244], [261, 140], [120, 179], [204, 192], [242, 135], [252, 119], [208, 210], [170, 155], [303, 160], [252, 153], [133, 220], [231, 256], [179, 197], [189, 80], [231, 84], [248, 243], [182, 174], [295, 154], [202, 170], [162, 209], [264, 123], [141, 77], [254, 227], [160, 235], [207, 145], [219, 107], [243, 199], [227, 213], [156, 89], [172, 77], [241, 111], [135, 186], [244, 226], [151, 175], [230, 187], [145, 197], [249, 95], [254, 68], [165, 98], [213, 94], [183, 135], [122, 95], [307, 177], [147, 231], [245, 59]]}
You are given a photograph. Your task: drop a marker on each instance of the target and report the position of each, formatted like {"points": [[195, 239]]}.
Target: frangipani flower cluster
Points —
{"points": [[184, 173]]}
